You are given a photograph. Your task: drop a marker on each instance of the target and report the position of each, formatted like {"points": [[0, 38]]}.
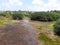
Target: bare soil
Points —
{"points": [[18, 34]]}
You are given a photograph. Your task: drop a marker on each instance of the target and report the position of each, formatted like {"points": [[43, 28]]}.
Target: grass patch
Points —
{"points": [[44, 37], [42, 25], [51, 25], [46, 27], [7, 21], [47, 41], [3, 22]]}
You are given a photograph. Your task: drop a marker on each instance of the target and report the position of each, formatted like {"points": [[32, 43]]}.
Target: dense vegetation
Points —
{"points": [[17, 15], [40, 16], [57, 28], [45, 16], [14, 15]]}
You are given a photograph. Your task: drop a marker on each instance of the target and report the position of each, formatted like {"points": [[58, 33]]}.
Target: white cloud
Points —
{"points": [[9, 4], [38, 2], [52, 3], [15, 2], [37, 5], [41, 5]]}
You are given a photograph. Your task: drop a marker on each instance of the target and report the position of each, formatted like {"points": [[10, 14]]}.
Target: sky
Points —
{"points": [[30, 5]]}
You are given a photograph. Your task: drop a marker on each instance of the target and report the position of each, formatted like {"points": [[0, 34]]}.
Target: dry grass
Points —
{"points": [[46, 32], [43, 25]]}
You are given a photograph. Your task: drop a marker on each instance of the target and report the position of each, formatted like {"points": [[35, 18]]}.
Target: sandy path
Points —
{"points": [[17, 34]]}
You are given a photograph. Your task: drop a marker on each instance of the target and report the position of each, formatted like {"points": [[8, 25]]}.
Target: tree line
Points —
{"points": [[39, 16], [45, 16], [14, 15]]}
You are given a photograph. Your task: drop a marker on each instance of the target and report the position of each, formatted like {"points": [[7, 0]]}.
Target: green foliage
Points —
{"points": [[44, 37], [2, 22], [57, 28], [6, 14], [40, 16], [44, 16], [12, 14], [26, 13], [2, 14], [17, 16], [51, 25], [47, 41]]}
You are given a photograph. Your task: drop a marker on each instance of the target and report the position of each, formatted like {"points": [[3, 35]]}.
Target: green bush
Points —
{"points": [[2, 14], [57, 28], [17, 16], [43, 16]]}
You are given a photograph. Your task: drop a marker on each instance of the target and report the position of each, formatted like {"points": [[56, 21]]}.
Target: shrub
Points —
{"points": [[2, 14], [57, 28], [43, 16], [17, 16]]}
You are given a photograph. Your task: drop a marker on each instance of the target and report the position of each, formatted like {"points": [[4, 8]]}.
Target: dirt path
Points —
{"points": [[18, 34]]}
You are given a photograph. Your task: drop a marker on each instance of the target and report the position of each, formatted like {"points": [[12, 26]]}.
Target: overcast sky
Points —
{"points": [[31, 5]]}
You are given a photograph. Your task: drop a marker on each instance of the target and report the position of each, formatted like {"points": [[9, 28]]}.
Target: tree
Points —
{"points": [[17, 16]]}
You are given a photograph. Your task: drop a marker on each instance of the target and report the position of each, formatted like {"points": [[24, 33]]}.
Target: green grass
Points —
{"points": [[42, 25], [44, 37], [3, 22], [51, 25], [46, 27], [47, 41], [7, 21]]}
